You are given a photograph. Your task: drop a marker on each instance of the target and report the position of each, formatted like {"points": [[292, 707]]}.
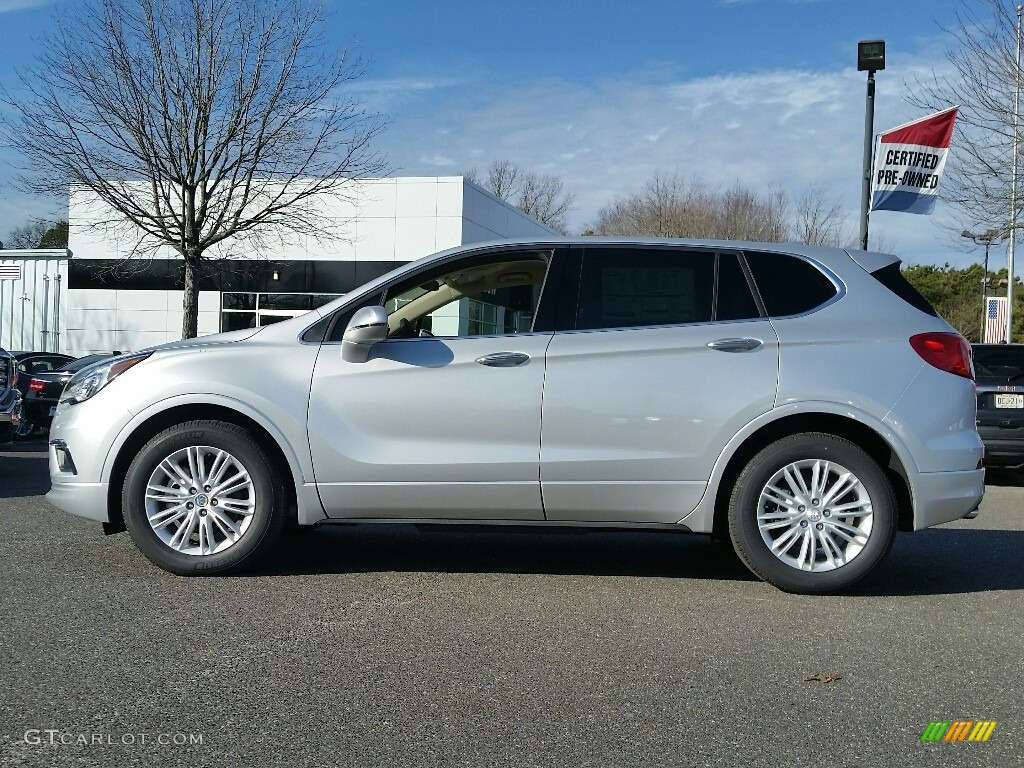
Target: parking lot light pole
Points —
{"points": [[870, 57], [985, 238], [1013, 188]]}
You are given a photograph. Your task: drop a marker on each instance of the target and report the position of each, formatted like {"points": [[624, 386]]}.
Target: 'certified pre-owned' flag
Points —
{"points": [[909, 162]]}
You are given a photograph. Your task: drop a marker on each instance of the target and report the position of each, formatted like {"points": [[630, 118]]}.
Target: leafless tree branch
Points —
{"points": [[983, 75], [195, 121], [541, 196]]}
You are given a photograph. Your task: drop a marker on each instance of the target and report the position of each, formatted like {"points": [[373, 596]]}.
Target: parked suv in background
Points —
{"points": [[10, 398], [804, 402], [999, 371]]}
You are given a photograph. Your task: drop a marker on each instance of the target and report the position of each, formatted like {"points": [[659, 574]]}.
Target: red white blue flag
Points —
{"points": [[995, 319], [909, 161]]}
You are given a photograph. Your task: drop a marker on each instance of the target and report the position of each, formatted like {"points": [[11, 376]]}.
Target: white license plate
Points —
{"points": [[1009, 401], [53, 408]]}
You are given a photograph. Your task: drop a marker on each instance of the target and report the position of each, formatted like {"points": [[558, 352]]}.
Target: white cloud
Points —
{"points": [[6, 6], [787, 129], [394, 93]]}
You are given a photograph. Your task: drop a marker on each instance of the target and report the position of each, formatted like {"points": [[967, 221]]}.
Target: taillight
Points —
{"points": [[946, 351], [36, 385]]}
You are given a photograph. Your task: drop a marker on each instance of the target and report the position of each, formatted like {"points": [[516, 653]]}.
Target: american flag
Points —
{"points": [[995, 319]]}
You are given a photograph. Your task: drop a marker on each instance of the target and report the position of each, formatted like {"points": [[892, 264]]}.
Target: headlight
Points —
{"points": [[88, 381]]}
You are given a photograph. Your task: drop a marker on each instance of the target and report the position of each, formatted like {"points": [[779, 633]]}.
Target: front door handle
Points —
{"points": [[504, 359], [734, 345]]}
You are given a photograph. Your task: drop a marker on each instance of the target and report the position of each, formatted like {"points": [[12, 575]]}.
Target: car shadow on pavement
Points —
{"points": [[944, 560], [949, 561], [933, 562], [1009, 478], [23, 469], [404, 548]]}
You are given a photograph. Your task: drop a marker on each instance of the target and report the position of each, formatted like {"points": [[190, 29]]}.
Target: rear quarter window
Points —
{"points": [[788, 285], [892, 278]]}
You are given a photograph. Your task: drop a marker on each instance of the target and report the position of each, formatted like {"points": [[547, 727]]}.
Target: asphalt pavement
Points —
{"points": [[388, 646]]}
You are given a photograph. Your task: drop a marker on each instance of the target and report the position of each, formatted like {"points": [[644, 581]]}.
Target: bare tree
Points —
{"points": [[982, 80], [670, 206], [28, 235], [503, 179], [195, 121], [541, 196], [818, 219]]}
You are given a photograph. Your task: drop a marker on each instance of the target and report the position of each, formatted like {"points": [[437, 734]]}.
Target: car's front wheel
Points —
{"points": [[203, 497], [812, 513]]}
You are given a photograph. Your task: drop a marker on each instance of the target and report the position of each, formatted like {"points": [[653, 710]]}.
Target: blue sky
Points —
{"points": [[605, 94]]}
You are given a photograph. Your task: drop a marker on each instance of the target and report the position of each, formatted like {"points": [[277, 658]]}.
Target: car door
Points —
{"points": [[443, 419], [667, 357]]}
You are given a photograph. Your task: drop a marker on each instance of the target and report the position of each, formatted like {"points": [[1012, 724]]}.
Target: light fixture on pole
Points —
{"points": [[985, 238], [870, 58], [1013, 190]]}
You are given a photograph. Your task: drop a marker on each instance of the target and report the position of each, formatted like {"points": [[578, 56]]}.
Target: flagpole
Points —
{"points": [[870, 58], [1013, 190], [865, 190]]}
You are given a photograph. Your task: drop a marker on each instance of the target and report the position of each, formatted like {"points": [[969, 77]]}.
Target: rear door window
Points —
{"points": [[733, 299], [632, 287]]}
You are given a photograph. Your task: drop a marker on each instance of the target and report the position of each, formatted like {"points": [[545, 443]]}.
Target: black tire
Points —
{"points": [[264, 495], [796, 520]]}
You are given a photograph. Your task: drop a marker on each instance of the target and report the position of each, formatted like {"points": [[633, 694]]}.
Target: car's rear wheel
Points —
{"points": [[812, 513], [203, 497]]}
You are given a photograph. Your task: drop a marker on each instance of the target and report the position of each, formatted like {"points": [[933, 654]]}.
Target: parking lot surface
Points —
{"points": [[389, 646]]}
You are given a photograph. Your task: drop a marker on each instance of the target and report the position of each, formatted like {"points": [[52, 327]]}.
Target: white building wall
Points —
{"points": [[389, 221]]}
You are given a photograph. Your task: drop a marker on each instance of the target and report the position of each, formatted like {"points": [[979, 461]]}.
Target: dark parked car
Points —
{"points": [[44, 390], [29, 364], [999, 373], [10, 397]]}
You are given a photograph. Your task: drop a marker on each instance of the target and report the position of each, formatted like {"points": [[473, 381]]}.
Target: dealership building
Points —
{"points": [[96, 296]]}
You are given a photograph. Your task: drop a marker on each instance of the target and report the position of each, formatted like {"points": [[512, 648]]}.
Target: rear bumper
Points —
{"points": [[941, 497], [38, 411], [1004, 446]]}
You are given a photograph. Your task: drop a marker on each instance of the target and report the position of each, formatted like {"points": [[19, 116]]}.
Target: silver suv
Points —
{"points": [[803, 402]]}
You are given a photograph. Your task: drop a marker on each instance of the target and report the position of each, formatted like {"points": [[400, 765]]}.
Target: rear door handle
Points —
{"points": [[735, 345], [504, 359]]}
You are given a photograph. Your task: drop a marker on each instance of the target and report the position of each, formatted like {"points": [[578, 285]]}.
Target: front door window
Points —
{"points": [[489, 299]]}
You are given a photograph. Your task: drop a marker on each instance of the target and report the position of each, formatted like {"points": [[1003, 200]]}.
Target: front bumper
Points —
{"points": [[88, 500], [10, 414], [941, 497], [81, 439]]}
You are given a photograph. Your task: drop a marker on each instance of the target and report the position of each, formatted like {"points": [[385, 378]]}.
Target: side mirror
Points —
{"points": [[367, 326]]}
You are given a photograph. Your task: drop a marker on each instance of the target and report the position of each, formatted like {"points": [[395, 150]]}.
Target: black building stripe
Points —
{"points": [[226, 275]]}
